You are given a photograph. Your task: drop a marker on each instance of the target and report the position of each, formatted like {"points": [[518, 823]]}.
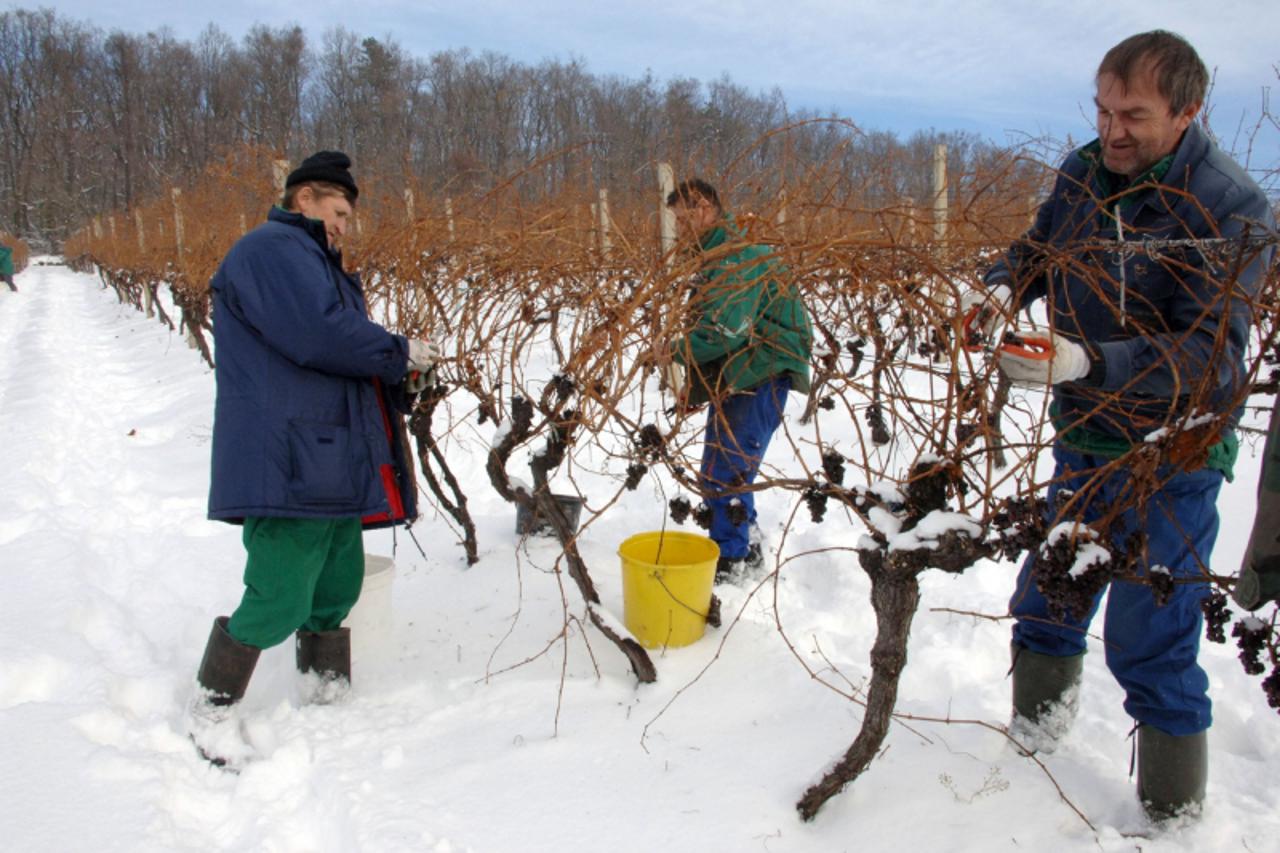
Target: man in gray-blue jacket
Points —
{"points": [[308, 443], [1145, 324]]}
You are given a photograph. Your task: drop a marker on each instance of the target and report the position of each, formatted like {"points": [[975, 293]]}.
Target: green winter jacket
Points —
{"points": [[6, 260], [751, 325]]}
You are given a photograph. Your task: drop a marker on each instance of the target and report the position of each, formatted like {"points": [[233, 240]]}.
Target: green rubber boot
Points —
{"points": [[1046, 693], [1172, 772]]}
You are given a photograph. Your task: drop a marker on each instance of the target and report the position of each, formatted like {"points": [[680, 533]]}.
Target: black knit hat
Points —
{"points": [[328, 166]]}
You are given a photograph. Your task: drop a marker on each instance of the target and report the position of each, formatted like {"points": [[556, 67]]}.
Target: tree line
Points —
{"points": [[98, 121]]}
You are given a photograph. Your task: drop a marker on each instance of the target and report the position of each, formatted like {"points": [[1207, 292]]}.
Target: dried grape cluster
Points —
{"points": [[816, 499], [1216, 617], [635, 473], [854, 348], [833, 467], [879, 430], [563, 386], [649, 438], [1251, 639], [1271, 687], [1161, 587], [1069, 596], [680, 509], [650, 447], [927, 488]]}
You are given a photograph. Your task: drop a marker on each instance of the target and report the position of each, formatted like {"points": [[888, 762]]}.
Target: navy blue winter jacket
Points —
{"points": [[304, 424], [1186, 317]]}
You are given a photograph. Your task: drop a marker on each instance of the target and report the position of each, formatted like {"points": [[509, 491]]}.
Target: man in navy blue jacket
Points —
{"points": [[308, 443], [1148, 329]]}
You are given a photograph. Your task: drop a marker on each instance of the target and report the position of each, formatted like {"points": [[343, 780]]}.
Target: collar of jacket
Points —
{"points": [[1191, 148], [313, 227], [717, 234]]}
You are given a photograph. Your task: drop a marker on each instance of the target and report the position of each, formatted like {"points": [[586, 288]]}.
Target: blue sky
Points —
{"points": [[1006, 70]]}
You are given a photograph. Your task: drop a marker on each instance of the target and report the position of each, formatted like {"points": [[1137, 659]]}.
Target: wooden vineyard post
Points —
{"points": [[908, 237], [606, 239], [940, 196], [666, 216], [451, 254], [178, 237], [176, 195], [140, 229], [280, 174]]}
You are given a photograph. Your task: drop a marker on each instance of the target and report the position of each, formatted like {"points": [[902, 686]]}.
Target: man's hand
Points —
{"points": [[1259, 582], [423, 354], [982, 311], [1042, 359]]}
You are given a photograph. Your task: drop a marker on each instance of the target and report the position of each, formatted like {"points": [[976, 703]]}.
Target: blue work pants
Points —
{"points": [[739, 428], [1150, 649]]}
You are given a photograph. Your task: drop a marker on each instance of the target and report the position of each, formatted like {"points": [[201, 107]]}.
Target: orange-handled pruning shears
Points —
{"points": [[1035, 347]]}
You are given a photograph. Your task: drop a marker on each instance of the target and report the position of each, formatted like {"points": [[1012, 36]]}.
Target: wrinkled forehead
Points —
{"points": [[1140, 87]]}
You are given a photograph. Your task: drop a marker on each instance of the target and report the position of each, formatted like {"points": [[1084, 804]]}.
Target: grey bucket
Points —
{"points": [[529, 523]]}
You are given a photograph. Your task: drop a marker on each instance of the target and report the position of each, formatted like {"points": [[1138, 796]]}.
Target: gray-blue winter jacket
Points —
{"points": [[1180, 329], [307, 419]]}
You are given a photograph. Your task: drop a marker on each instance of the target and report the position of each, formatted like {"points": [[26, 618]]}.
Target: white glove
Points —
{"points": [[674, 374], [423, 355], [988, 309], [1043, 359]]}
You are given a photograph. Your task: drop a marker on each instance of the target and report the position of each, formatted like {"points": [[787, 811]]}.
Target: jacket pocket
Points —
{"points": [[321, 463]]}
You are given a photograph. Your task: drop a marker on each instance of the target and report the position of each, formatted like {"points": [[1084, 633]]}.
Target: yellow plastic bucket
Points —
{"points": [[666, 586]]}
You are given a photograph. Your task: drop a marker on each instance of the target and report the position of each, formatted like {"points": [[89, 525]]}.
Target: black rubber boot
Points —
{"points": [[728, 569], [735, 569], [1045, 697], [227, 665], [328, 655], [211, 720], [1172, 772]]}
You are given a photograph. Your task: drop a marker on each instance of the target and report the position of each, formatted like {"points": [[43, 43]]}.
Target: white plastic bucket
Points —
{"points": [[370, 620]]}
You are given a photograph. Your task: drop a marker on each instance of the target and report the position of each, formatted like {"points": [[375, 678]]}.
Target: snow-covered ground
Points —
{"points": [[458, 736]]}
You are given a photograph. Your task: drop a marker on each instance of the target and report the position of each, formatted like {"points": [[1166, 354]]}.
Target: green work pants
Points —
{"points": [[301, 573]]}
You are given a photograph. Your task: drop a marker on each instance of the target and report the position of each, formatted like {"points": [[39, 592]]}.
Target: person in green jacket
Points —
{"points": [[748, 345], [6, 267]]}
